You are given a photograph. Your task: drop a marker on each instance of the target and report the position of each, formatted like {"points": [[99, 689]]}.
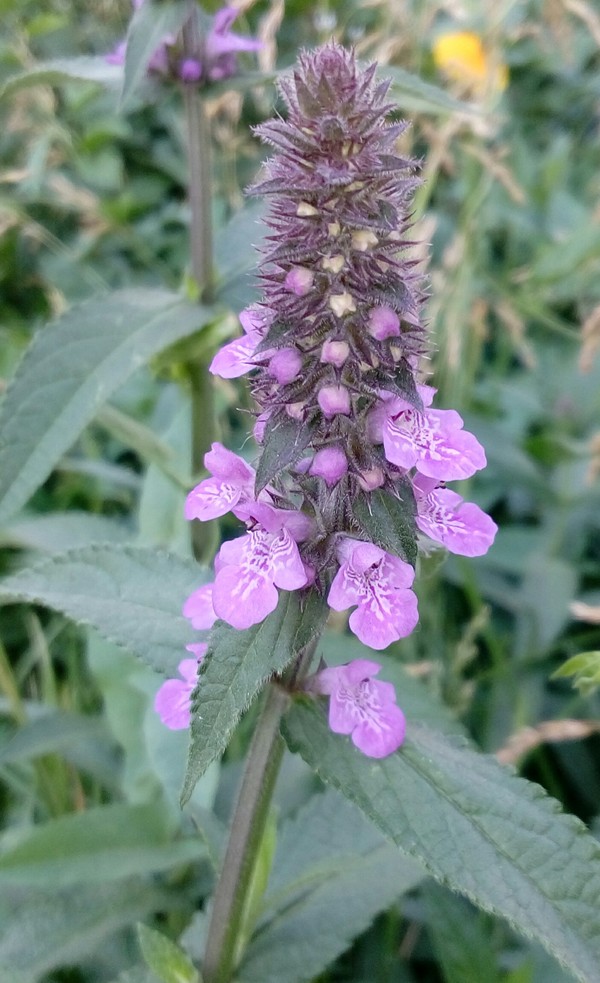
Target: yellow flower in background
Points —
{"points": [[462, 57]]}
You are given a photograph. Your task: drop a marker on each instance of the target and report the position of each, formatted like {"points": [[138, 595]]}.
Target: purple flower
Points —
{"points": [[221, 46], [232, 482], [442, 515], [252, 567], [237, 357], [199, 608], [362, 706], [172, 701], [432, 441], [379, 584]]}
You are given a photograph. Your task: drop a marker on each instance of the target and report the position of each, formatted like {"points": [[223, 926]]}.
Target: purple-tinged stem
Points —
{"points": [[247, 829]]}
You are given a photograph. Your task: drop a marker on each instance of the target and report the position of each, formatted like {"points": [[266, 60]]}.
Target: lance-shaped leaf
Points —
{"points": [[86, 68], [237, 665], [132, 596], [388, 520], [71, 369], [284, 443], [333, 873], [476, 827]]}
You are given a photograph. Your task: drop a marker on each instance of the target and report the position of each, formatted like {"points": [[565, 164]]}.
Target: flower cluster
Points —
{"points": [[214, 59], [354, 458]]}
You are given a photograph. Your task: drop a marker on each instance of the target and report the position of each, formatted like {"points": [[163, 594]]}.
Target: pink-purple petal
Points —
{"points": [[243, 597], [199, 608]]}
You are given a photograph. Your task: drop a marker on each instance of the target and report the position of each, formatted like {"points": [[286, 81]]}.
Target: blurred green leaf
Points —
{"points": [[165, 958], [235, 667], [49, 533], [61, 70], [475, 827], [132, 596], [99, 845], [461, 936], [71, 369], [41, 930], [151, 24], [585, 667], [414, 95]]}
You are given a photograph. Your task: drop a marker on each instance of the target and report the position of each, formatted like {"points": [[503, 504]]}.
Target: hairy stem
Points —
{"points": [[201, 251], [247, 828]]}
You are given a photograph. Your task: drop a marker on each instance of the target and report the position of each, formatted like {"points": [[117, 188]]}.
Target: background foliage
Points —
{"points": [[93, 200]]}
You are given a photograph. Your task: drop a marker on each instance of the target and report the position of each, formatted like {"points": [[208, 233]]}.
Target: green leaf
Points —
{"points": [[413, 95], [585, 667], [165, 958], [71, 369], [333, 873], [388, 521], [103, 844], [475, 827], [56, 731], [131, 595], [41, 930], [150, 25], [236, 666], [284, 443], [462, 937], [60, 70], [49, 533]]}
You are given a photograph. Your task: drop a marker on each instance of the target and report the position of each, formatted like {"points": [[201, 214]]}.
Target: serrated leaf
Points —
{"points": [[41, 930], [131, 595], [60, 70], [71, 369], [333, 873], [236, 666], [165, 958], [388, 521], [284, 443], [477, 828], [103, 844], [150, 25]]}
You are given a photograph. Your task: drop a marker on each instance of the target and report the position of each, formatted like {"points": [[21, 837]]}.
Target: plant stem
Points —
{"points": [[247, 828], [201, 252]]}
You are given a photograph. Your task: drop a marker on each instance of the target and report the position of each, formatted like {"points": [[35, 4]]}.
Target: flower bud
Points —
{"points": [[285, 365], [190, 70], [295, 410], [335, 352], [330, 463], [371, 479], [383, 323], [334, 400], [299, 281]]}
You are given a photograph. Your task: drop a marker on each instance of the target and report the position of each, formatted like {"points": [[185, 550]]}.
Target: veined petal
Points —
{"points": [[236, 358], [287, 568], [243, 596], [227, 466], [211, 499], [462, 527], [381, 733]]}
